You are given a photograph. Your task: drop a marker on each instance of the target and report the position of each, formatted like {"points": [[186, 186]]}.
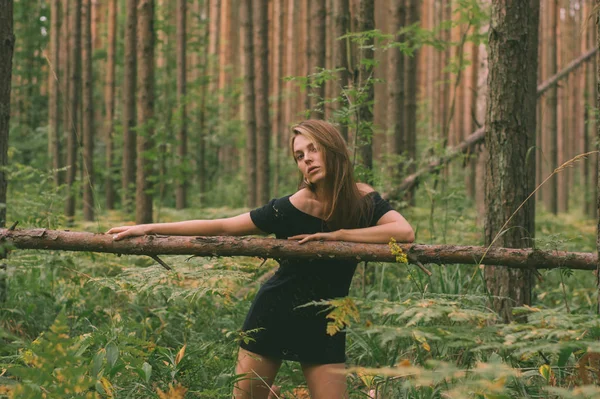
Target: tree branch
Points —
{"points": [[281, 249]]}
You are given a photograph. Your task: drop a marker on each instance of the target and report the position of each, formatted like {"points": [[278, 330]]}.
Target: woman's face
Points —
{"points": [[309, 159]]}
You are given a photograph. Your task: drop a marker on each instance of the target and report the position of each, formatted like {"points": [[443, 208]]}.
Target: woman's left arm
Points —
{"points": [[391, 225]]}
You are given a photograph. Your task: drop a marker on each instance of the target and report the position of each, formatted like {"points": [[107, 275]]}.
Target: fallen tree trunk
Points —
{"points": [[478, 136], [281, 249]]}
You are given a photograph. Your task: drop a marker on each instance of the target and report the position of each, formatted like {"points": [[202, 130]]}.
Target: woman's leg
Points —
{"points": [[256, 374], [326, 381]]}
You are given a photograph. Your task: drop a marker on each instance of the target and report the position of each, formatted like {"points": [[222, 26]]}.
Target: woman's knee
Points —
{"points": [[326, 381], [255, 375]]}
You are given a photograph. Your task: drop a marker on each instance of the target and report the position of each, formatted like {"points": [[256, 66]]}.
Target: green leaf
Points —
{"points": [[147, 368], [97, 362], [112, 354]]}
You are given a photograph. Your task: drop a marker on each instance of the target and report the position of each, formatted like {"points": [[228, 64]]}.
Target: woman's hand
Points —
{"points": [[333, 236], [128, 231]]}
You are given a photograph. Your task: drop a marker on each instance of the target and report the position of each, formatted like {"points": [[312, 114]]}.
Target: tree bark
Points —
{"points": [[395, 111], [7, 46], [74, 102], [45, 239], [109, 103], [341, 13], [65, 53], [53, 92], [478, 136], [129, 117], [181, 189], [145, 110], [263, 136], [249, 103], [365, 113], [410, 103], [88, 114], [318, 38], [510, 134], [550, 129]]}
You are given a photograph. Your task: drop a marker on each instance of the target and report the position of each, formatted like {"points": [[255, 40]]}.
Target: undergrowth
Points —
{"points": [[86, 325]]}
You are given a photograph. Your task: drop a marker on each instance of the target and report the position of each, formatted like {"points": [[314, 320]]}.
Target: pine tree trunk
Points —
{"points": [[7, 45], [262, 101], [109, 104], [318, 37], [249, 103], [145, 110], [365, 114], [308, 60], [278, 59], [74, 102], [472, 121], [65, 64], [510, 133], [88, 114], [395, 111], [181, 192], [551, 113], [53, 92], [129, 117], [341, 11], [410, 104]]}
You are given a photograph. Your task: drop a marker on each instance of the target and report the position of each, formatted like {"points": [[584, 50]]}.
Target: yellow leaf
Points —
{"points": [[108, 388], [426, 346], [546, 372], [367, 379], [404, 363], [180, 354], [174, 392]]}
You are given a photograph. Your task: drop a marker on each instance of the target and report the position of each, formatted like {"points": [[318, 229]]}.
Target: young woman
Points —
{"points": [[329, 205]]}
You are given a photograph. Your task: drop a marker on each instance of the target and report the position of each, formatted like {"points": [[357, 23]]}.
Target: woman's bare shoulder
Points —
{"points": [[364, 188]]}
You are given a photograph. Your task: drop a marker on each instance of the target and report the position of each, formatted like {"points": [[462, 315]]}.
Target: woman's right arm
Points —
{"points": [[234, 226]]}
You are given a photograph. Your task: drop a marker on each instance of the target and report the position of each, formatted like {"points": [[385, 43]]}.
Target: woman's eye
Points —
{"points": [[299, 157]]}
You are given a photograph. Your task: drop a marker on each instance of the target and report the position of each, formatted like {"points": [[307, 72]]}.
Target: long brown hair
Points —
{"points": [[344, 204]]}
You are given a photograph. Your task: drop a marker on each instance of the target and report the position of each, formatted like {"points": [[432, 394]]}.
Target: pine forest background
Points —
{"points": [[155, 110]]}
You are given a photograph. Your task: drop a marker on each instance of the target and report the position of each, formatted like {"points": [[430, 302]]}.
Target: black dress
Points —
{"points": [[276, 325]]}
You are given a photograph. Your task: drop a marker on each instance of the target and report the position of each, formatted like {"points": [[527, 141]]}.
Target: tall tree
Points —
{"points": [[277, 124], [249, 102], [318, 32], [550, 128], [64, 68], [7, 45], [395, 112], [109, 103], [341, 12], [53, 91], [129, 91], [145, 110], [365, 113], [74, 102], [88, 113], [308, 58], [410, 104], [181, 193], [262, 100], [510, 134]]}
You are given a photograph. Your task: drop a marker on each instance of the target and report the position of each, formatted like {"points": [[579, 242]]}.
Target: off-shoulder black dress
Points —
{"points": [[277, 326]]}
